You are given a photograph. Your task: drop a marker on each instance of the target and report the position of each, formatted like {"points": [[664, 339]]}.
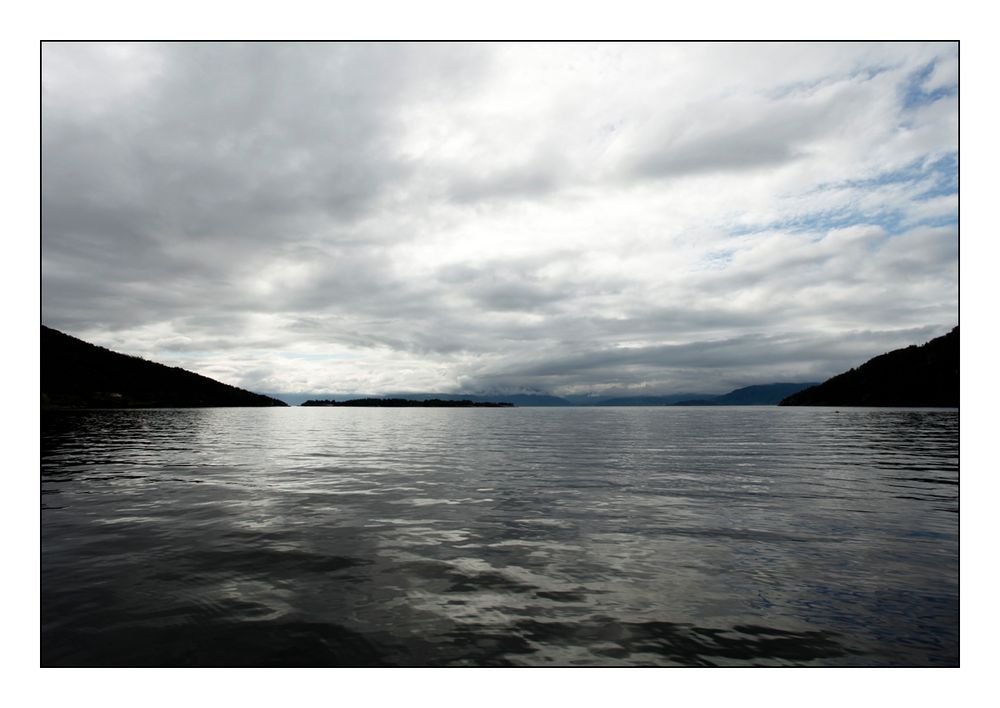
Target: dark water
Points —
{"points": [[429, 537]]}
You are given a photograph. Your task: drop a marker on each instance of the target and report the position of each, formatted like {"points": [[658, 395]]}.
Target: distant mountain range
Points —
{"points": [[915, 376], [761, 395], [517, 399], [76, 374], [665, 400]]}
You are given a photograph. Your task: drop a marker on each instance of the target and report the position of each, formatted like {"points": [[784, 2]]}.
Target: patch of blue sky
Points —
{"points": [[818, 224], [935, 176], [945, 173], [935, 221], [913, 93], [718, 260], [943, 169]]}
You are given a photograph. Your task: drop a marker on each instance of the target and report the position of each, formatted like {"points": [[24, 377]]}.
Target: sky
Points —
{"points": [[607, 219]]}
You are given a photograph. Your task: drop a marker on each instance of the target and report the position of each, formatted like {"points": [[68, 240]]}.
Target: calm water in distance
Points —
{"points": [[495, 537]]}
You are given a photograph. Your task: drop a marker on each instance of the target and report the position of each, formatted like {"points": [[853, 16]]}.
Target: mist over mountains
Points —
{"points": [[916, 376], [75, 373], [759, 395]]}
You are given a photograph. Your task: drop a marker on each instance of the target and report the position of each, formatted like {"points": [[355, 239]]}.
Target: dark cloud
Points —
{"points": [[702, 366], [228, 153]]}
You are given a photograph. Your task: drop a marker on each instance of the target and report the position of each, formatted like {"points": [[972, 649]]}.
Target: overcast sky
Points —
{"points": [[573, 218]]}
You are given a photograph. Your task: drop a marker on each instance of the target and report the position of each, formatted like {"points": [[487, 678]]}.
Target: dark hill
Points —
{"points": [[915, 376], [76, 374]]}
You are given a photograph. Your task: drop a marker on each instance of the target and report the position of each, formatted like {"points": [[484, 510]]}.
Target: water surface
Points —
{"points": [[527, 536]]}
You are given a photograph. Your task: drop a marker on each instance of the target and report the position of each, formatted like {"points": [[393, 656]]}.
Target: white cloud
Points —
{"points": [[329, 217]]}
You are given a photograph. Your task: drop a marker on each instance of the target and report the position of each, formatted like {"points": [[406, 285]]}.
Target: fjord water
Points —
{"points": [[526, 536]]}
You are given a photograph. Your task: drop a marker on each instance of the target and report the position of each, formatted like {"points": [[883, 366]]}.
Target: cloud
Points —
{"points": [[607, 217]]}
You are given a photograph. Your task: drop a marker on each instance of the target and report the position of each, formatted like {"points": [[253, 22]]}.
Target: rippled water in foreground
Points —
{"points": [[526, 536]]}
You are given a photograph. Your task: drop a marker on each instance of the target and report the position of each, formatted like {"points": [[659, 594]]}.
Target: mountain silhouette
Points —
{"points": [[915, 376], [526, 400], [77, 374], [757, 395], [404, 403]]}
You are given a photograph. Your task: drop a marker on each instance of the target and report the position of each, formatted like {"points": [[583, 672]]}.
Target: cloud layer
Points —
{"points": [[574, 218]]}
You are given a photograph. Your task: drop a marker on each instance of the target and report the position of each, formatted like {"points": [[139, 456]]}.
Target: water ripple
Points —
{"points": [[507, 537]]}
